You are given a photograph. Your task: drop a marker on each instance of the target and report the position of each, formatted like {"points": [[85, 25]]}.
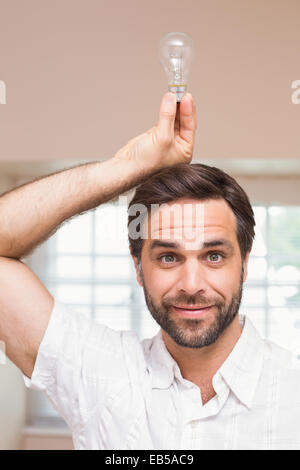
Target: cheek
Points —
{"points": [[223, 279], [160, 280], [223, 286]]}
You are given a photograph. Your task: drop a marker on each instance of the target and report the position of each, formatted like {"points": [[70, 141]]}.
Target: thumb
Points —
{"points": [[167, 113]]}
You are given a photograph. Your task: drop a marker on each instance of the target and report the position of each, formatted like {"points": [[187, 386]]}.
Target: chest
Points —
{"points": [[171, 419]]}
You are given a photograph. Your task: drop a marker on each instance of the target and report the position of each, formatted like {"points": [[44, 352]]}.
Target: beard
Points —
{"points": [[189, 332]]}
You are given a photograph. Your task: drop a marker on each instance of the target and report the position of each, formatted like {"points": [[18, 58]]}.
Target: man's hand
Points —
{"points": [[170, 141]]}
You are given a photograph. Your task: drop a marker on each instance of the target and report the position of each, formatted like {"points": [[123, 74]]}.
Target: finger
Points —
{"points": [[167, 113], [132, 141], [177, 119], [187, 118]]}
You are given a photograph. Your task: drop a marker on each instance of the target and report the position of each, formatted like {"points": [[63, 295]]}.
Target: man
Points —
{"points": [[207, 380]]}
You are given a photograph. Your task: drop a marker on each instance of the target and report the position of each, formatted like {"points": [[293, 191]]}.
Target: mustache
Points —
{"points": [[191, 300]]}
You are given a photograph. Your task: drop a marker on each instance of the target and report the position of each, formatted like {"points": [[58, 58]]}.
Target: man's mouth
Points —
{"points": [[191, 311]]}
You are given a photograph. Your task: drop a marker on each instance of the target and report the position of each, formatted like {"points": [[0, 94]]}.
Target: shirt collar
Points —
{"points": [[240, 370]]}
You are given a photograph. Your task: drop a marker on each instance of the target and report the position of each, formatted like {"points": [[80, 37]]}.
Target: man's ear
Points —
{"points": [[137, 270], [245, 262]]}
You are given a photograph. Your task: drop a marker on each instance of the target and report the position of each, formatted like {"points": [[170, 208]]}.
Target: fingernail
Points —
{"points": [[169, 98]]}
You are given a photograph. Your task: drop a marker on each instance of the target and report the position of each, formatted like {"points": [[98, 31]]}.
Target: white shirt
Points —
{"points": [[116, 392]]}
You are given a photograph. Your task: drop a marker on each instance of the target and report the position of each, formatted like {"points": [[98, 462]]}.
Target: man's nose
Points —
{"points": [[192, 277]]}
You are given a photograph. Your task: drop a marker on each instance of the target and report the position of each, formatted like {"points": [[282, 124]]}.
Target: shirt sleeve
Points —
{"points": [[78, 364]]}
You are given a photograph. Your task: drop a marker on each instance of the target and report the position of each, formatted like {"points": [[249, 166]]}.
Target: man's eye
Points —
{"points": [[215, 257], [169, 258]]}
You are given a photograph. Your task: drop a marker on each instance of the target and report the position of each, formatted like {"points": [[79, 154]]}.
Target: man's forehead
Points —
{"points": [[215, 242], [191, 223]]}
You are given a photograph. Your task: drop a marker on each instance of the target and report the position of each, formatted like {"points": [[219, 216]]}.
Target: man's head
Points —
{"points": [[207, 273]]}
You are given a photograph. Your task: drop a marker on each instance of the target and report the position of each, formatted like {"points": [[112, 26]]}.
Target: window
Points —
{"points": [[272, 291], [89, 268]]}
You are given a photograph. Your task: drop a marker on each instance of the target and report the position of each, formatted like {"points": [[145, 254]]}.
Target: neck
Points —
{"points": [[199, 365]]}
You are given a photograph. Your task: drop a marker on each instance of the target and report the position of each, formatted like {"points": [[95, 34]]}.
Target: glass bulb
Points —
{"points": [[176, 54]]}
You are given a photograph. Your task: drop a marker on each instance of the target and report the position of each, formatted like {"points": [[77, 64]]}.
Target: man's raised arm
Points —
{"points": [[32, 212]]}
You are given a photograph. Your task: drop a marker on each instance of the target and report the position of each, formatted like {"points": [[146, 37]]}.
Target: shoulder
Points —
{"points": [[114, 354]]}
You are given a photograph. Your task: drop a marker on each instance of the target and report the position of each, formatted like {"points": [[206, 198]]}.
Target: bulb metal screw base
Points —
{"points": [[180, 90]]}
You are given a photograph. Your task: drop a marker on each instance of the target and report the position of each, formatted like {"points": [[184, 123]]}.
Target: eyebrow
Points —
{"points": [[222, 242]]}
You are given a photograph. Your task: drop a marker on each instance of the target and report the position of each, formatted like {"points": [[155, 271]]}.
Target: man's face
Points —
{"points": [[192, 289]]}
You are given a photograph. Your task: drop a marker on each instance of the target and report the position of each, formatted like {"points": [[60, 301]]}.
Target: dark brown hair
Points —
{"points": [[196, 181]]}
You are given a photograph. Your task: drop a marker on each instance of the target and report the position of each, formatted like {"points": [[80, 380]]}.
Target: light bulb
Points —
{"points": [[176, 54]]}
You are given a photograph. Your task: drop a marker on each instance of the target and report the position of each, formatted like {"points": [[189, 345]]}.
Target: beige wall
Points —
{"points": [[6, 181], [279, 190], [83, 77], [46, 442]]}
